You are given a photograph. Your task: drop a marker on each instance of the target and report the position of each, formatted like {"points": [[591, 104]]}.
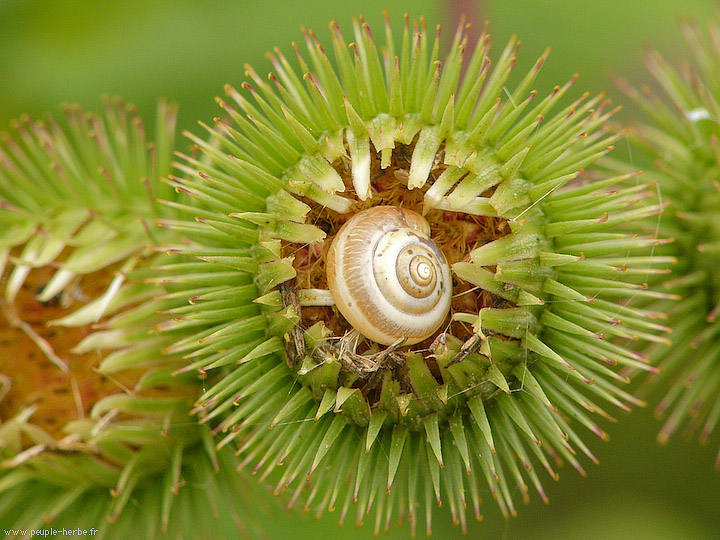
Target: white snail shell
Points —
{"points": [[388, 279]]}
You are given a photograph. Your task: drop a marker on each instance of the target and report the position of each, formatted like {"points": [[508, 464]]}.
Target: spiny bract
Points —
{"points": [[90, 437], [543, 255], [683, 136]]}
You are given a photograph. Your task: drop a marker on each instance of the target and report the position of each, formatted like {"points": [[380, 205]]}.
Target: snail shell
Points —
{"points": [[388, 279]]}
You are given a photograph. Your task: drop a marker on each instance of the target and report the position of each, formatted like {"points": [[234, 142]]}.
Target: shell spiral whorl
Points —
{"points": [[388, 279]]}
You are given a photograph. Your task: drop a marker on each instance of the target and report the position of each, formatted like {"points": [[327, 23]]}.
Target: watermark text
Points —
{"points": [[41, 533]]}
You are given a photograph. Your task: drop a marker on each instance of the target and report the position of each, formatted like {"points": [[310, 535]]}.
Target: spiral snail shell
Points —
{"points": [[387, 278]]}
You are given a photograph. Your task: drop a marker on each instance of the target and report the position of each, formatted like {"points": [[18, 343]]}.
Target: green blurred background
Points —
{"points": [[55, 51]]}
